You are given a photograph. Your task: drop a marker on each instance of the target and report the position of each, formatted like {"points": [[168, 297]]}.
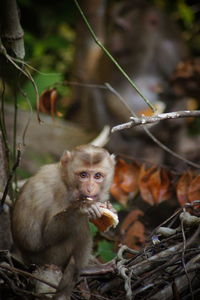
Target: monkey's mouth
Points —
{"points": [[86, 197]]}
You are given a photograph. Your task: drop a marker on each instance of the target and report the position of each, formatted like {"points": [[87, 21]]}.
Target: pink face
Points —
{"points": [[90, 182]]}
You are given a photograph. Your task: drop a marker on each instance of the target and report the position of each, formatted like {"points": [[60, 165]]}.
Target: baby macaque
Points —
{"points": [[50, 217]]}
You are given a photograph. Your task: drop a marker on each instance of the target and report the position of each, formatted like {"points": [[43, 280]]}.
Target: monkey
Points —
{"points": [[148, 46], [50, 216]]}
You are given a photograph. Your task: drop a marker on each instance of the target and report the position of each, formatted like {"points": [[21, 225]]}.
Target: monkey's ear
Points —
{"points": [[65, 157], [112, 156]]}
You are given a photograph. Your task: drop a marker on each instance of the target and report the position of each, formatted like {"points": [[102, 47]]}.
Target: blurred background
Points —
{"points": [[62, 100]]}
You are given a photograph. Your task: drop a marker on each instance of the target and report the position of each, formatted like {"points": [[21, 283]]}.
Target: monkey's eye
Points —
{"points": [[83, 175], [98, 176]]}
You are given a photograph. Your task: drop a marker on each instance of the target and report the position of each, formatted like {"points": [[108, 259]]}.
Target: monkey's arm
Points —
{"points": [[61, 225]]}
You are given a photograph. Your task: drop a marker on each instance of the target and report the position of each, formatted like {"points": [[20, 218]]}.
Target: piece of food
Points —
{"points": [[108, 219]]}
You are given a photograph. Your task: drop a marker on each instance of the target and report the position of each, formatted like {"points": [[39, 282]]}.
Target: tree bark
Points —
{"points": [[5, 231], [11, 32]]}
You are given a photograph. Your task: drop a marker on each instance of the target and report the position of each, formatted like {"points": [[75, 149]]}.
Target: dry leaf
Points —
{"points": [[130, 178], [154, 185], [132, 230], [125, 181], [144, 183], [160, 186], [194, 189], [182, 187], [48, 100], [119, 194]]}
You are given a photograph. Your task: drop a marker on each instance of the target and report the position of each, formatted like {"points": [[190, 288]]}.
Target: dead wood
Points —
{"points": [[168, 267]]}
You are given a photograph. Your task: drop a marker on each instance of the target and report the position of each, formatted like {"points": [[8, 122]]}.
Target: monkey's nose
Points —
{"points": [[90, 189]]}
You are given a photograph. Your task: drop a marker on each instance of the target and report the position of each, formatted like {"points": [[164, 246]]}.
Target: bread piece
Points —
{"points": [[107, 220]]}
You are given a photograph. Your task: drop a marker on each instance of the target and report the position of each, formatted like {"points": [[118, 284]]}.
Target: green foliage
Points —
{"points": [[117, 206], [179, 9], [105, 250], [49, 33], [186, 13], [42, 81], [93, 229], [53, 53]]}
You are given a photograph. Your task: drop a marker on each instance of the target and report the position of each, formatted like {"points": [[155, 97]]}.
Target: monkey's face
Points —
{"points": [[88, 172], [90, 183]]}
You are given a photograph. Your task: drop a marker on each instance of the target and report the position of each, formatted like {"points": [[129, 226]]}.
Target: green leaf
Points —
{"points": [[105, 250], [93, 229]]}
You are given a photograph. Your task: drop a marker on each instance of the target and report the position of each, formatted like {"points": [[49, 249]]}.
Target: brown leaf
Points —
{"points": [[154, 185], [48, 100], [182, 187], [125, 180], [160, 185], [144, 184], [132, 230], [119, 194], [130, 177], [194, 189]]}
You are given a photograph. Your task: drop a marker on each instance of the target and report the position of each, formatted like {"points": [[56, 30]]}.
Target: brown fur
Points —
{"points": [[49, 221]]}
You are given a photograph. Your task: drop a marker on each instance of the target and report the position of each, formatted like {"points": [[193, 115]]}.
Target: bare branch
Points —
{"points": [[136, 121]]}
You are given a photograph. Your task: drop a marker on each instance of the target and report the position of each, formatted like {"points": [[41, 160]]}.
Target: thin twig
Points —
{"points": [[26, 73], [15, 288], [167, 220], [152, 137], [29, 117], [27, 274], [3, 125], [14, 154], [16, 164], [85, 85], [183, 257], [164, 147]]}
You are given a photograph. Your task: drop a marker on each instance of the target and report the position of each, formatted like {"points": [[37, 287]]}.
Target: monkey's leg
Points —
{"points": [[73, 268], [68, 280]]}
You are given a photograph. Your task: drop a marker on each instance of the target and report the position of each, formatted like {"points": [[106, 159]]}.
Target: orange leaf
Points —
{"points": [[130, 177], [48, 100], [144, 184], [125, 180], [160, 186], [154, 185], [182, 187], [132, 230], [119, 194], [194, 189]]}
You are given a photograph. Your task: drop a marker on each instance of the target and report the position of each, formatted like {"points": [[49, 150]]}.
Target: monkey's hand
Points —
{"points": [[91, 208], [109, 206]]}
